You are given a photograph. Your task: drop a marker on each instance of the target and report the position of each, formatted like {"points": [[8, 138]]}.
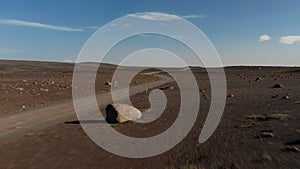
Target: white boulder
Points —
{"points": [[119, 113]]}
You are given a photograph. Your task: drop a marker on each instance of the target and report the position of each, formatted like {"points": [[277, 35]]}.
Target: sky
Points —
{"points": [[252, 32]]}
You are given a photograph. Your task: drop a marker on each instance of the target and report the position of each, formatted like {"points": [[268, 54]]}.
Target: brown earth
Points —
{"points": [[252, 107]]}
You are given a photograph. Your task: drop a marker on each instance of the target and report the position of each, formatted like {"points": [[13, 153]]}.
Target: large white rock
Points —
{"points": [[119, 113]]}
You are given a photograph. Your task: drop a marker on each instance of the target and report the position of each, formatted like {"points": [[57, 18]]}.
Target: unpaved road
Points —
{"points": [[16, 125]]}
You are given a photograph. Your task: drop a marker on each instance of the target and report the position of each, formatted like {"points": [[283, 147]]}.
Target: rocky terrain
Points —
{"points": [[260, 127]]}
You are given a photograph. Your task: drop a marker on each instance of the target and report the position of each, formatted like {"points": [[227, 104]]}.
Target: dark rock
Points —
{"points": [[291, 149], [277, 85], [286, 97], [164, 88], [258, 79]]}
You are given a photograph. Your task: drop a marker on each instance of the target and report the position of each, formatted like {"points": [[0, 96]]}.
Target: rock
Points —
{"points": [[23, 107], [267, 134], [286, 97], [258, 79], [119, 113], [44, 89], [164, 88], [108, 83], [277, 85], [273, 97], [20, 89], [231, 95], [291, 149]]}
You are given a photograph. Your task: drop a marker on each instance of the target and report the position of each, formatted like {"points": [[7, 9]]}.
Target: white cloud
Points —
{"points": [[290, 40], [156, 16], [68, 61], [264, 37], [193, 16], [38, 25]]}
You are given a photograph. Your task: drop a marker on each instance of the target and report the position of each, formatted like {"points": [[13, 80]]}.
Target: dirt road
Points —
{"points": [[17, 125]]}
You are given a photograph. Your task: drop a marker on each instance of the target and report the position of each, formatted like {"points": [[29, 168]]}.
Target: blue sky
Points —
{"points": [[252, 32]]}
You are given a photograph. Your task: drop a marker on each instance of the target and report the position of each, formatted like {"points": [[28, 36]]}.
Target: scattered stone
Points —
{"points": [[164, 88], [20, 89], [231, 95], [108, 83], [119, 113], [44, 89], [266, 134], [291, 149], [172, 88], [25, 81], [277, 85], [243, 77], [258, 79], [23, 107], [286, 97], [35, 83]]}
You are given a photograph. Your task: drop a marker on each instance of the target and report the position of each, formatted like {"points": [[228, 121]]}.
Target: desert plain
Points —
{"points": [[260, 126]]}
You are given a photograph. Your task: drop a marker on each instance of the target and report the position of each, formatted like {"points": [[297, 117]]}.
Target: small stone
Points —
{"points": [[231, 95], [291, 149], [273, 97], [23, 107], [267, 134], [258, 79], [286, 97], [108, 83], [277, 85], [20, 89], [44, 89], [164, 88]]}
